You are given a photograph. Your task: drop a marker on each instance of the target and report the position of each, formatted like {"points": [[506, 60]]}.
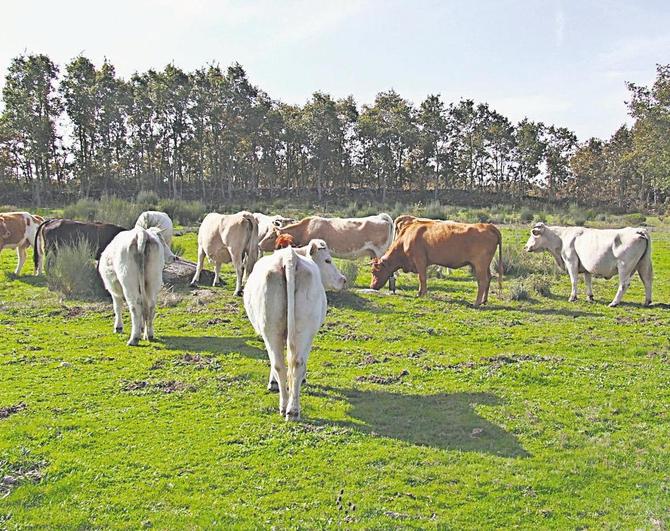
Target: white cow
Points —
{"points": [[131, 267], [160, 220], [597, 252], [228, 238], [285, 300], [267, 224]]}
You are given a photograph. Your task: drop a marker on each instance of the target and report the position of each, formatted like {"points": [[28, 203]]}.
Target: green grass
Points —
{"points": [[426, 413]]}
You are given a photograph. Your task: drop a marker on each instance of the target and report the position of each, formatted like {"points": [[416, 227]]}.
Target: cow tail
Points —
{"points": [[290, 267], [142, 250], [500, 264], [252, 243], [644, 234], [39, 245]]}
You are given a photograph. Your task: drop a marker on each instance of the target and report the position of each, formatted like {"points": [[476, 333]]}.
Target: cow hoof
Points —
{"points": [[647, 303], [613, 304], [590, 298], [193, 284], [150, 338], [572, 299], [133, 342], [282, 411], [118, 330], [238, 293], [292, 416], [273, 387]]}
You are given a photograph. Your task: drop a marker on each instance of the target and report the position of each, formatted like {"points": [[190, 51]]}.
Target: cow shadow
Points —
{"points": [[445, 421], [528, 306], [215, 345], [30, 279]]}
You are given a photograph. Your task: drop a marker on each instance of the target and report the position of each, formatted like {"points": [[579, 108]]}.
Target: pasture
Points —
{"points": [[418, 413]]}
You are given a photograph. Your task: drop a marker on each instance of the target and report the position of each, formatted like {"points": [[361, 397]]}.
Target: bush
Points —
{"points": [[526, 215], [515, 263], [433, 210], [349, 269], [177, 249], [183, 212], [635, 219], [540, 217], [148, 199], [120, 212], [519, 292], [540, 285], [84, 210], [72, 271]]}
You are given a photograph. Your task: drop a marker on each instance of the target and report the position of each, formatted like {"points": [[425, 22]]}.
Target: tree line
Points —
{"points": [[209, 134]]}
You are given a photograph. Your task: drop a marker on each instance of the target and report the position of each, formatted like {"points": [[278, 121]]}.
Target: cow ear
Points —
{"points": [[313, 247], [538, 229]]}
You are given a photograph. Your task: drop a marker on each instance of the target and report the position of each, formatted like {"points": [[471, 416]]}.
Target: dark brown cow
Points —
{"points": [[54, 233], [423, 243]]}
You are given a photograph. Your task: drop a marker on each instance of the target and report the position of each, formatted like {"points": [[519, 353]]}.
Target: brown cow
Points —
{"points": [[423, 243], [54, 233], [18, 230]]}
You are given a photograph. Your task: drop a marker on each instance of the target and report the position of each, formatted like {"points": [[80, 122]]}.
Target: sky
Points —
{"points": [[561, 62]]}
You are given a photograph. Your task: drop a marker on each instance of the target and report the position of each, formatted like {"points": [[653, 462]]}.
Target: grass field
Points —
{"points": [[418, 413]]}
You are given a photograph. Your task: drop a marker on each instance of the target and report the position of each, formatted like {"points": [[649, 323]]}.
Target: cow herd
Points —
{"points": [[284, 295]]}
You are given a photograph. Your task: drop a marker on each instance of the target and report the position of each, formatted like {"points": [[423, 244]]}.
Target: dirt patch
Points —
{"points": [[231, 380], [496, 362], [11, 476], [73, 312], [216, 321], [354, 336], [134, 385], [11, 410], [198, 361], [383, 380]]}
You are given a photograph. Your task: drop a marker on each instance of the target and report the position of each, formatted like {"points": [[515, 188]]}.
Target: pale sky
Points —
{"points": [[563, 62]]}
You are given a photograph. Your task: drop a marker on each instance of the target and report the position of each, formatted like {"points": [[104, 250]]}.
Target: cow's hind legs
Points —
{"points": [[275, 347], [136, 318], [589, 287], [624, 282], [646, 272], [117, 302], [21, 254], [198, 266]]}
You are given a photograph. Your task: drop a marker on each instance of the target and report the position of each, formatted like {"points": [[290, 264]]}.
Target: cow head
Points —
{"points": [[168, 255], [381, 271], [284, 240], [331, 278], [280, 222], [538, 240], [267, 244]]}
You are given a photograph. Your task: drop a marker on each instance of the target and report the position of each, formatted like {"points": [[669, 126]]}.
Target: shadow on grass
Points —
{"points": [[30, 279], [215, 345], [350, 300], [443, 421]]}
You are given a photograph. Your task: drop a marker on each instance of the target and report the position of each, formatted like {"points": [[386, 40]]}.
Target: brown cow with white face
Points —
{"points": [[17, 231], [423, 243]]}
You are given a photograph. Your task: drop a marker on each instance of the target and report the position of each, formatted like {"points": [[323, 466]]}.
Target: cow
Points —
{"points": [[454, 245], [597, 252], [348, 238], [267, 224], [160, 220], [131, 267], [228, 238], [17, 231], [405, 219], [54, 233], [285, 301]]}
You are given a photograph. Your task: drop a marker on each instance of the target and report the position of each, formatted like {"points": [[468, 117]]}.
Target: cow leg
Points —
{"points": [[117, 302], [423, 287], [589, 287], [573, 271], [217, 272], [21, 254], [297, 362], [646, 272], [483, 277], [149, 314], [238, 262], [275, 346], [136, 317], [199, 265], [624, 282]]}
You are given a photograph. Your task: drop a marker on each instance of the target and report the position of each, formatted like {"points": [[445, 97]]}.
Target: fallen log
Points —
{"points": [[182, 271]]}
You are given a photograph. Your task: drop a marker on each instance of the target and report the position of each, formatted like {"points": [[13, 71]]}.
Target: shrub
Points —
{"points": [[349, 269], [183, 212], [433, 210], [72, 271], [635, 218], [526, 215], [177, 249], [120, 212], [540, 217], [519, 292], [148, 199], [515, 263], [540, 285], [85, 210]]}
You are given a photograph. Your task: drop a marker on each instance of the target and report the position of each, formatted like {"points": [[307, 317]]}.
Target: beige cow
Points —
{"points": [[228, 238], [17, 231]]}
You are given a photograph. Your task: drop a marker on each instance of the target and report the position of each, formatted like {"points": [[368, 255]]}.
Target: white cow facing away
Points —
{"points": [[228, 238], [597, 252], [131, 267], [285, 300], [159, 220]]}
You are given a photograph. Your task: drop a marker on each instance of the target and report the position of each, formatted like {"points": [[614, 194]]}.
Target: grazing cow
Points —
{"points": [[285, 300], [131, 267], [346, 237], [267, 224], [228, 238], [423, 243], [403, 220], [54, 233], [160, 220], [18, 230], [597, 252]]}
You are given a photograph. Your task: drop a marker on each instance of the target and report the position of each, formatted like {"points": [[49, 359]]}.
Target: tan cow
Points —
{"points": [[423, 243], [228, 238], [17, 230]]}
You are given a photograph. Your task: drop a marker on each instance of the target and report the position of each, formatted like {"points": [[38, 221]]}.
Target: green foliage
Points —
{"points": [[526, 215], [516, 262], [519, 291], [349, 269], [183, 212], [147, 199], [72, 271], [83, 210], [120, 212], [540, 284], [635, 219]]}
